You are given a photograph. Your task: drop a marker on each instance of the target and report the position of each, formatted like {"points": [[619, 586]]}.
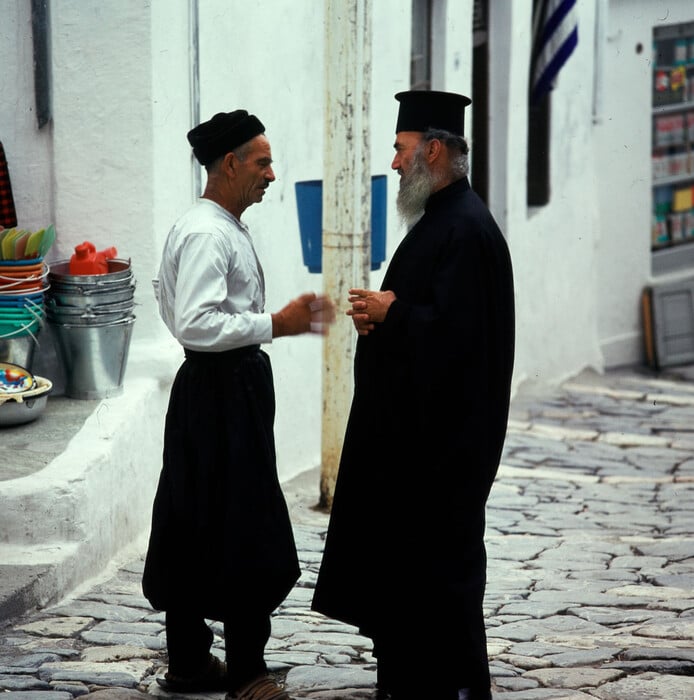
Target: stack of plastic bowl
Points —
{"points": [[92, 318], [22, 308]]}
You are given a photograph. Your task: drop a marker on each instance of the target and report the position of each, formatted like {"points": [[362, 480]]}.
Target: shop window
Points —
{"points": [[672, 229]]}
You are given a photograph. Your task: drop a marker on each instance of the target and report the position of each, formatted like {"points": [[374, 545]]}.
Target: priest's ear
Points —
{"points": [[432, 150]]}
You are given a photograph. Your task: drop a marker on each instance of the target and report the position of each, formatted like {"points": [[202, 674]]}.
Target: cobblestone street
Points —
{"points": [[590, 590]]}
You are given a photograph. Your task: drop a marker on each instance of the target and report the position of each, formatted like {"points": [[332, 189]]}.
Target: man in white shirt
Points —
{"points": [[221, 545]]}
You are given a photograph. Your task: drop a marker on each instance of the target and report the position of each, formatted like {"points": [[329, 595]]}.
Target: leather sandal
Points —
{"points": [[212, 678], [262, 688]]}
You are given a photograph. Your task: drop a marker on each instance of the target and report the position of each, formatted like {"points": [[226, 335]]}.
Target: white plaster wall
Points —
{"points": [[623, 152], [103, 156], [553, 247], [171, 104], [452, 70]]}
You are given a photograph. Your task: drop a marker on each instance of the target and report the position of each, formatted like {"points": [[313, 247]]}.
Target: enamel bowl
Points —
{"points": [[25, 406]]}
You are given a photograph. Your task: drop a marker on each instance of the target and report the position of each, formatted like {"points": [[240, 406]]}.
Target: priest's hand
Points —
{"points": [[368, 308]]}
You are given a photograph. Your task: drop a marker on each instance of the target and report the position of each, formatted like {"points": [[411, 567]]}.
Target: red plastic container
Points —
{"points": [[86, 260]]}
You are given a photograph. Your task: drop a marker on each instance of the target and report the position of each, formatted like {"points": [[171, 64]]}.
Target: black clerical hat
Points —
{"points": [[428, 109], [223, 133]]}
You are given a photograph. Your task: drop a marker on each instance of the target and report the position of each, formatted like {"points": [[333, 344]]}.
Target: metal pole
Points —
{"points": [[346, 210], [194, 39]]}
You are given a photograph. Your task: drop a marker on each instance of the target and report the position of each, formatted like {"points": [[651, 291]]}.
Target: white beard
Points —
{"points": [[415, 188]]}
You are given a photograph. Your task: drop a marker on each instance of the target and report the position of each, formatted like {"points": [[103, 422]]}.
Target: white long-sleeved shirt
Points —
{"points": [[211, 290]]}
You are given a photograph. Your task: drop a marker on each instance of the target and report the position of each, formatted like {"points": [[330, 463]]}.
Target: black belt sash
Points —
{"points": [[225, 357]]}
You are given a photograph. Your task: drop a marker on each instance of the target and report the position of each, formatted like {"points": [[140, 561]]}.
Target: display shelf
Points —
{"points": [[675, 107], [673, 180], [673, 258]]}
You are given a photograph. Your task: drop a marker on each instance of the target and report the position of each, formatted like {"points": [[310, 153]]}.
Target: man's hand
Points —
{"points": [[368, 308], [305, 314]]}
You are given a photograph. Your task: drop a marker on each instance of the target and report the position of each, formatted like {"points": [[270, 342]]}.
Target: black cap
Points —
{"points": [[223, 133], [421, 110]]}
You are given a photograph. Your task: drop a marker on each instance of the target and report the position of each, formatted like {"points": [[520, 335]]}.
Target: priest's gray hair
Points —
{"points": [[457, 147]]}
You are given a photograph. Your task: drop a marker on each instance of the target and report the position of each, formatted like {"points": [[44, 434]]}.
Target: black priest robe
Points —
{"points": [[405, 546]]}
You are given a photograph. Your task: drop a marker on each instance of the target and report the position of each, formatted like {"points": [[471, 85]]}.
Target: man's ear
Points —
{"points": [[433, 149], [229, 163]]}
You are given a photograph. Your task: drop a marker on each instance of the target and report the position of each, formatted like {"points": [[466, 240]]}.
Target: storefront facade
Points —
{"points": [[645, 123]]}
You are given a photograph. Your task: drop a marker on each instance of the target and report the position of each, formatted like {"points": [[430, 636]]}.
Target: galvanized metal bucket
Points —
{"points": [[94, 357], [91, 317]]}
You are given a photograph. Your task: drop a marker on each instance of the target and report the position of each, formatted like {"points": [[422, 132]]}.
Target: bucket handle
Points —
{"points": [[34, 313], [109, 283], [30, 305]]}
